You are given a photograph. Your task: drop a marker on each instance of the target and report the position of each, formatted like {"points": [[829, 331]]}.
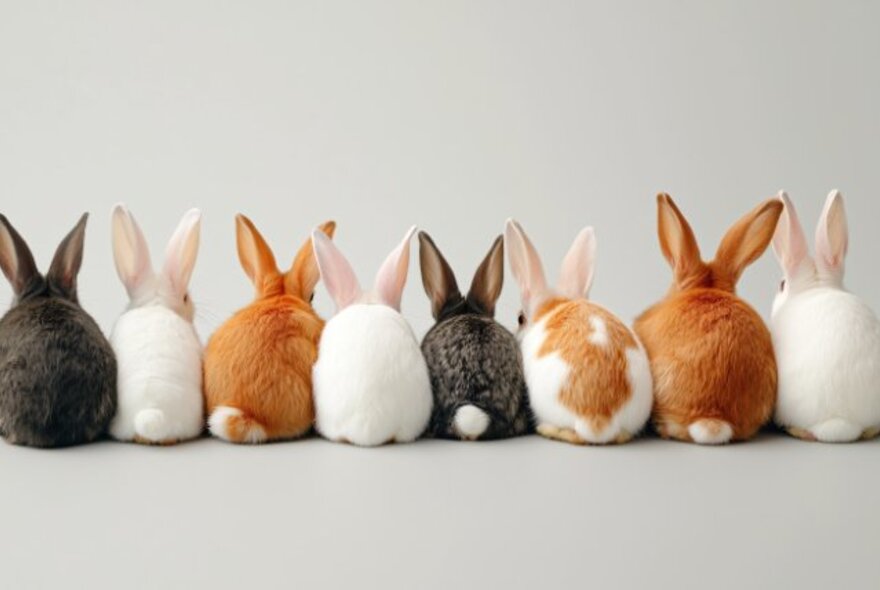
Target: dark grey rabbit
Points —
{"points": [[474, 362], [57, 370]]}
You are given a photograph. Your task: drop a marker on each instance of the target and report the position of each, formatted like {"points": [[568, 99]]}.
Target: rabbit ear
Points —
{"points": [[336, 272], [391, 277], [254, 254], [304, 275], [16, 258], [748, 238], [832, 236], [577, 267], [677, 239], [68, 259], [489, 278], [180, 255], [437, 277], [789, 241], [130, 251], [524, 262]]}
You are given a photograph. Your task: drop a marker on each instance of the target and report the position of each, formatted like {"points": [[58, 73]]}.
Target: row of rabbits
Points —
{"points": [[700, 364]]}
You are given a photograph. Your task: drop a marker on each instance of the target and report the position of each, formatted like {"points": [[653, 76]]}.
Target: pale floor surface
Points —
{"points": [[527, 513]]}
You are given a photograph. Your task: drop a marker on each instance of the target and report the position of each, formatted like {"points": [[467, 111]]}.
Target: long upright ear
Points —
{"points": [[677, 239], [391, 277], [832, 236], [336, 272], [789, 241], [68, 259], [130, 251], [254, 254], [748, 238], [524, 262], [437, 277], [304, 275], [16, 258], [180, 255], [489, 278], [578, 265]]}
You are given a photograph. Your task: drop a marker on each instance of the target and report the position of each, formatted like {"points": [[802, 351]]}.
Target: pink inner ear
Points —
{"points": [[524, 262], [789, 241], [336, 273], [832, 234], [391, 278], [130, 251], [577, 266], [180, 255]]}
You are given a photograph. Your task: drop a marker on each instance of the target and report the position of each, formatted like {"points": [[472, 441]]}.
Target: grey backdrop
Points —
{"points": [[454, 116]]}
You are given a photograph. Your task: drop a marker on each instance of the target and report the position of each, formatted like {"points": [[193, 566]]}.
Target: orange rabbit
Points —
{"points": [[711, 354], [258, 364]]}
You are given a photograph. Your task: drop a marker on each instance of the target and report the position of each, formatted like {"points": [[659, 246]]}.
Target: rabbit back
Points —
{"points": [[713, 364], [371, 381], [588, 376], [160, 377], [833, 390], [57, 375], [474, 361], [258, 380]]}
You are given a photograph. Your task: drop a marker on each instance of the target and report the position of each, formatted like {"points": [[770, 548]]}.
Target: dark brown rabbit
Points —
{"points": [[57, 370], [474, 362]]}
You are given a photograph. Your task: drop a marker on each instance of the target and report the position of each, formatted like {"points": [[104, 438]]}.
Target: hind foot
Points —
{"points": [[562, 434], [623, 438], [870, 433], [801, 433], [155, 443]]}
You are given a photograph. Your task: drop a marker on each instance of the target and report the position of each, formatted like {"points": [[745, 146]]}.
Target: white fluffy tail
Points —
{"points": [[836, 430], [709, 431], [232, 425], [150, 424], [470, 422]]}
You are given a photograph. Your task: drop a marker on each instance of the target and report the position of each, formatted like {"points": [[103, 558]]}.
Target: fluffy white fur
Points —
{"points": [[218, 425], [470, 422], [158, 353], [370, 382], [710, 432], [827, 340]]}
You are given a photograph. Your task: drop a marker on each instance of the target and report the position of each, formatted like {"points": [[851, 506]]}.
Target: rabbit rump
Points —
{"points": [[57, 370], [258, 364], [827, 340], [474, 362], [158, 352], [371, 381], [587, 375], [711, 354]]}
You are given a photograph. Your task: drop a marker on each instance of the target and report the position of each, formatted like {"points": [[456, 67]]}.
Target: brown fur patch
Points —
{"points": [[598, 382], [712, 357], [260, 362]]}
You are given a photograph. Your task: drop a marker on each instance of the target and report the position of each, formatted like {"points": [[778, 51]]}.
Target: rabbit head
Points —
{"points": [[19, 267], [802, 271], [259, 263], [743, 243], [144, 285], [442, 288], [575, 278], [342, 284]]}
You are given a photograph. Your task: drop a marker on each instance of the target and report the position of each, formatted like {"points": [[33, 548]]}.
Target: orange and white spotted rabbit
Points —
{"points": [[588, 376]]}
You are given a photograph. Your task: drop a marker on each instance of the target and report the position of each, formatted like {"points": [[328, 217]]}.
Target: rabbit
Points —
{"points": [[371, 381], [711, 353], [258, 364], [588, 376], [57, 370], [827, 340], [474, 363], [158, 352]]}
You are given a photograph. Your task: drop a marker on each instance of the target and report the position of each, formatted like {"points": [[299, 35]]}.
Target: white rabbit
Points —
{"points": [[588, 375], [158, 352], [371, 383], [827, 340]]}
